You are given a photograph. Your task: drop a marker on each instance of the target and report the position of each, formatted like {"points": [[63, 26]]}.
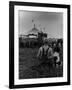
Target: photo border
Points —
{"points": [[11, 43]]}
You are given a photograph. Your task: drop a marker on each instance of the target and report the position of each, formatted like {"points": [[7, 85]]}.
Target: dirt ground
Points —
{"points": [[29, 66]]}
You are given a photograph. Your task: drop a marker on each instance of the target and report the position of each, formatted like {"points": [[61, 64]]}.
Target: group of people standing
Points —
{"points": [[50, 58], [50, 55]]}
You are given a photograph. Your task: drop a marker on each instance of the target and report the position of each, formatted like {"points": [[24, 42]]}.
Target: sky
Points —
{"points": [[49, 22]]}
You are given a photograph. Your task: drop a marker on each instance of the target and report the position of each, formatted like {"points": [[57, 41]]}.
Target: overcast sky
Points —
{"points": [[51, 21]]}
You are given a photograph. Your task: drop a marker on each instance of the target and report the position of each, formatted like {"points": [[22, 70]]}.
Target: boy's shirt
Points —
{"points": [[40, 52]]}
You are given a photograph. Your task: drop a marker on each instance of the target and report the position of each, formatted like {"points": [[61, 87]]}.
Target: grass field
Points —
{"points": [[29, 66]]}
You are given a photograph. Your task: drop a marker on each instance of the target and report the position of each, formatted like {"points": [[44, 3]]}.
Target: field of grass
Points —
{"points": [[29, 66]]}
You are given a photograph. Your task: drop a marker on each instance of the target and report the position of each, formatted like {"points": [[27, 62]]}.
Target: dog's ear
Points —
{"points": [[59, 63], [55, 58]]}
